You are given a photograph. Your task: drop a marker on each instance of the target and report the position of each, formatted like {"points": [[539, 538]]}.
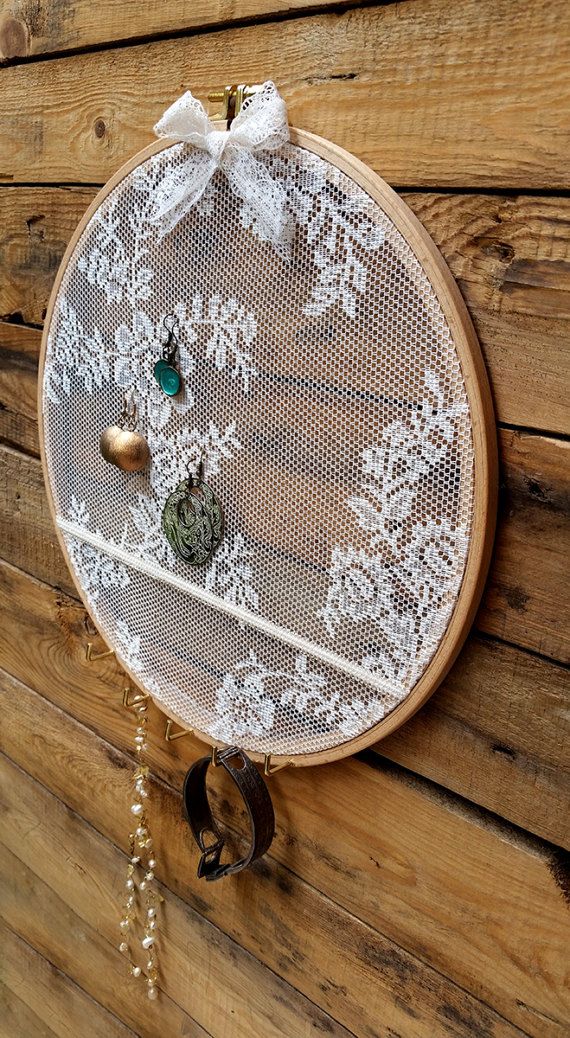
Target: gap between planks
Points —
{"points": [[127, 761]]}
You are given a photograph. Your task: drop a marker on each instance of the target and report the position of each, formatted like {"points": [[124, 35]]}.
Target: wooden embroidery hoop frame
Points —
{"points": [[482, 426]]}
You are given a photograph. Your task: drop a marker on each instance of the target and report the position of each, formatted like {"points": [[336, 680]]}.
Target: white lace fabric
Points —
{"points": [[261, 126], [324, 390]]}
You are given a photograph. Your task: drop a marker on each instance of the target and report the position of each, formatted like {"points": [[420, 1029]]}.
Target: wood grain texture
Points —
{"points": [[490, 243], [75, 944], [425, 92], [19, 352], [526, 603], [388, 908], [17, 1020], [60, 1007], [495, 732], [497, 875], [203, 971], [28, 28], [185, 976]]}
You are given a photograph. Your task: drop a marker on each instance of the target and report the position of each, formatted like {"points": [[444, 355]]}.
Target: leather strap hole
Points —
{"points": [[237, 763], [210, 840]]}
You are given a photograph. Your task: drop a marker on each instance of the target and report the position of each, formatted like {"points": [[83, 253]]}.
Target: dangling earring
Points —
{"points": [[120, 444], [165, 371], [192, 520]]}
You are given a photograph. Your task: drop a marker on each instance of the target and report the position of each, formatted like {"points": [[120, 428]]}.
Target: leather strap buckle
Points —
{"points": [[199, 815]]}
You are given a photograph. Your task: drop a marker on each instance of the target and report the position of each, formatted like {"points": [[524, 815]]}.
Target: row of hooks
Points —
{"points": [[173, 731]]}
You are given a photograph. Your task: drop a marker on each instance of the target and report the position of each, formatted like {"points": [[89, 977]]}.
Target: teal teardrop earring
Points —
{"points": [[166, 372]]}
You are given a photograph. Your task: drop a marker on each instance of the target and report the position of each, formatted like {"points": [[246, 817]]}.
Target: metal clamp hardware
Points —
{"points": [[231, 98]]}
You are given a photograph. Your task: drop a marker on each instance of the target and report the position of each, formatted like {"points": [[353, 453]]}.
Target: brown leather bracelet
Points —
{"points": [[199, 816]]}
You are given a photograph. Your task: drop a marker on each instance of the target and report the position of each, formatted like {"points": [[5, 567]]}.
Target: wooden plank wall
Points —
{"points": [[419, 890]]}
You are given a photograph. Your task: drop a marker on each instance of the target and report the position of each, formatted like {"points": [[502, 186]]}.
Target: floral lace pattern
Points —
{"points": [[340, 234], [253, 694], [407, 588], [322, 394]]}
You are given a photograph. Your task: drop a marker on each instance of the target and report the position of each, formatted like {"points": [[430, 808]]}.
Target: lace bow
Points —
{"points": [[260, 126]]}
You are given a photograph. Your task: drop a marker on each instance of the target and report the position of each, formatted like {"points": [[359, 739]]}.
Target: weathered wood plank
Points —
{"points": [[473, 737], [17, 1020], [528, 591], [496, 732], [93, 780], [533, 543], [29, 535], [75, 940], [324, 839], [19, 348], [60, 1006], [34, 238], [28, 28], [526, 601], [242, 984], [399, 85], [510, 255]]}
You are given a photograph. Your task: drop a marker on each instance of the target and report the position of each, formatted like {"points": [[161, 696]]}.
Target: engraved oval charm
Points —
{"points": [[192, 521]]}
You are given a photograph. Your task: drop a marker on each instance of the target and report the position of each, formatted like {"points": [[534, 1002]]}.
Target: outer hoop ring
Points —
{"points": [[482, 425]]}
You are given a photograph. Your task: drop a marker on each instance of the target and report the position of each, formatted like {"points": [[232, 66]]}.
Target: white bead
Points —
{"points": [[141, 831], [137, 809], [148, 941], [151, 863], [123, 947], [143, 792], [136, 971], [149, 875], [150, 965], [152, 993], [139, 739], [152, 924], [124, 925], [151, 913], [135, 860], [130, 884], [142, 884]]}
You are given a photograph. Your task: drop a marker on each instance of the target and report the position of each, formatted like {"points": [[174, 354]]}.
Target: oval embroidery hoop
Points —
{"points": [[365, 561]]}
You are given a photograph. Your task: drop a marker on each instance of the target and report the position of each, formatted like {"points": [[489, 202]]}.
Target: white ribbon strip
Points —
{"points": [[259, 623], [260, 126]]}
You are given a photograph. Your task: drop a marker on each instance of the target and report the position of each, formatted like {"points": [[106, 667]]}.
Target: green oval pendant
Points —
{"points": [[192, 521], [158, 367], [169, 380]]}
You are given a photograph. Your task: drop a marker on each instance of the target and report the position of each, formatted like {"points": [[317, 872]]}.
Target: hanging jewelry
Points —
{"points": [[120, 444], [142, 894], [192, 520], [166, 372]]}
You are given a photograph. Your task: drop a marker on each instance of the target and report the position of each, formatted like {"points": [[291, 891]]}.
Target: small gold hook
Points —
{"points": [[214, 758], [92, 657], [170, 736], [137, 697], [269, 769]]}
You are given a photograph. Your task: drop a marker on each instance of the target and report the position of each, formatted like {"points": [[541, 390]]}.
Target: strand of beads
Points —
{"points": [[140, 845]]}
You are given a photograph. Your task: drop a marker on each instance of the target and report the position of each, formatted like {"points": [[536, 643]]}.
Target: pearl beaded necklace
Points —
{"points": [[140, 843]]}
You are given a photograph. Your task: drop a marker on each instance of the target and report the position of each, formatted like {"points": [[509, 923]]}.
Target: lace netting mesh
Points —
{"points": [[327, 399]]}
